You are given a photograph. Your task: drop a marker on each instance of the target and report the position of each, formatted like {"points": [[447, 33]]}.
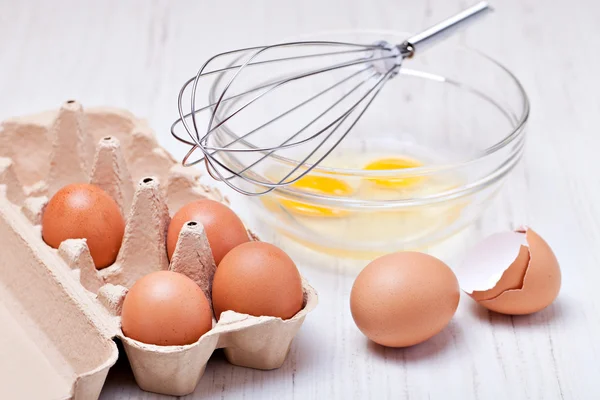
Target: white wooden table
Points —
{"points": [[136, 54]]}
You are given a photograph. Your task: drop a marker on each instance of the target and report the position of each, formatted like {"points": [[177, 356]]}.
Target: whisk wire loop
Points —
{"points": [[216, 174], [255, 155]]}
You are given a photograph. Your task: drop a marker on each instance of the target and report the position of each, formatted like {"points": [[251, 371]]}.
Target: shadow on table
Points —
{"points": [[224, 380], [556, 311], [220, 378], [120, 383], [434, 347]]}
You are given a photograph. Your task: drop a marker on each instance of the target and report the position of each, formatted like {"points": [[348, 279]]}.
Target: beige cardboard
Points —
{"points": [[193, 257], [69, 159], [8, 177], [33, 207], [183, 187], [77, 256], [112, 296], [110, 172], [50, 320], [58, 313], [26, 141], [144, 247]]}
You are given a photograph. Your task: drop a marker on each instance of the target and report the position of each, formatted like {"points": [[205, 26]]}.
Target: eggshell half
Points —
{"points": [[512, 273]]}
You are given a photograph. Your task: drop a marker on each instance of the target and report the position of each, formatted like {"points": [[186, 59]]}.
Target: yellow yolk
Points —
{"points": [[394, 163], [318, 185]]}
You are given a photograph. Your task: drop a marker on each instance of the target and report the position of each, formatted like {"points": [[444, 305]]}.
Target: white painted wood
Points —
{"points": [[136, 54]]}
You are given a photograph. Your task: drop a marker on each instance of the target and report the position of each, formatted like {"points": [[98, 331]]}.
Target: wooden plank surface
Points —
{"points": [[136, 55]]}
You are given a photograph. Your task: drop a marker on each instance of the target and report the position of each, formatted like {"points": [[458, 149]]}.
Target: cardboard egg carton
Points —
{"points": [[59, 315]]}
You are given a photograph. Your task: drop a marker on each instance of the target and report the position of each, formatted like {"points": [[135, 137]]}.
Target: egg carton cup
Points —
{"points": [[59, 314]]}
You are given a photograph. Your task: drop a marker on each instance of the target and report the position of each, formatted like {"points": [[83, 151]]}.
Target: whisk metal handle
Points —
{"points": [[442, 28]]}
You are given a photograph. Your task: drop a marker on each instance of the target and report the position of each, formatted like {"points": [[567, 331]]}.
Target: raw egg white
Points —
{"points": [[511, 273], [402, 299]]}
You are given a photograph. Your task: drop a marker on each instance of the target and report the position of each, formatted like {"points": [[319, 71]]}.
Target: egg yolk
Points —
{"points": [[319, 185], [394, 163]]}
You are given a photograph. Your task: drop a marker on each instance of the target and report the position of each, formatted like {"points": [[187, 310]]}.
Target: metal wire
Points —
{"points": [[239, 159], [351, 82]]}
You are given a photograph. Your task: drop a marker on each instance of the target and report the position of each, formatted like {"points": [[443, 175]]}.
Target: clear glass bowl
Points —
{"points": [[459, 113]]}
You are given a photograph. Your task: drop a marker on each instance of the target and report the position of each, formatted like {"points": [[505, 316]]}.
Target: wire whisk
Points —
{"points": [[263, 117]]}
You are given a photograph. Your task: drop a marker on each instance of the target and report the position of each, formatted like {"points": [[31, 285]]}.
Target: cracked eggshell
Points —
{"points": [[511, 273]]}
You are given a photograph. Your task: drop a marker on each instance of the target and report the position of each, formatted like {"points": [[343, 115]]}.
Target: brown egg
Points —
{"points": [[402, 299], [223, 227], [167, 309], [512, 273], [83, 211], [257, 278]]}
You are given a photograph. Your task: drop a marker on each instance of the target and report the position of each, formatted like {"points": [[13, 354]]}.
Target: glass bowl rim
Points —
{"points": [[426, 169]]}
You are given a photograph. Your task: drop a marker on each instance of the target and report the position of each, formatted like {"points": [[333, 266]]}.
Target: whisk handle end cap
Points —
{"points": [[445, 27]]}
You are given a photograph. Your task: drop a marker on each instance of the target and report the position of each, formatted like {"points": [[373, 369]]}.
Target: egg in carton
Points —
{"points": [[59, 313]]}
